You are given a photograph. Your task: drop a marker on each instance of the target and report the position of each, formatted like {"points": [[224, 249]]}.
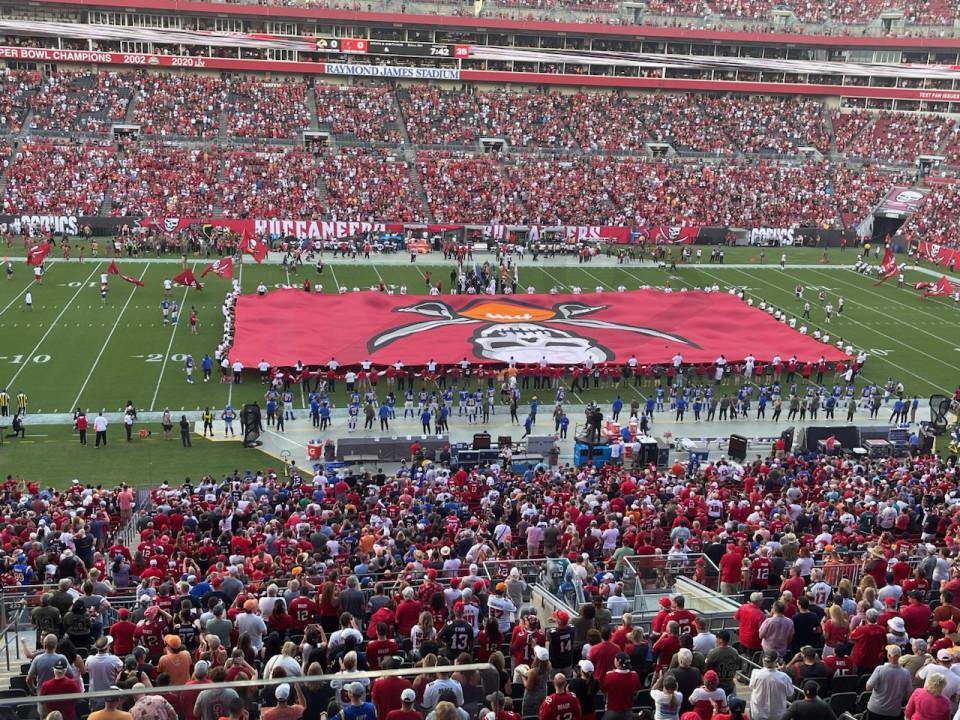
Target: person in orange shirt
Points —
{"points": [[176, 661]]}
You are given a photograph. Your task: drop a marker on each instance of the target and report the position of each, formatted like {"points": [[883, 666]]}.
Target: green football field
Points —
{"points": [[71, 350]]}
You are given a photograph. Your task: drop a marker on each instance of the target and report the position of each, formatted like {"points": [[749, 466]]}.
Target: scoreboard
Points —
{"points": [[361, 46]]}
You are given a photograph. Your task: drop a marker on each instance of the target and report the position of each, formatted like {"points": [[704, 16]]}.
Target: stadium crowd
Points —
{"points": [[257, 575]]}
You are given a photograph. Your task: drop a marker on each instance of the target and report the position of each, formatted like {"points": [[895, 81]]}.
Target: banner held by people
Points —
{"points": [[38, 253], [188, 279], [221, 268], [114, 270]]}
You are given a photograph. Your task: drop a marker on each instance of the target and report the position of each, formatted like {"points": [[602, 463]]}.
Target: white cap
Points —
{"points": [[541, 653], [408, 695], [282, 691], [586, 666]]}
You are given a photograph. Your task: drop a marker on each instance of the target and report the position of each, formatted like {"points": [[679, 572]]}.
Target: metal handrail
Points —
{"points": [[244, 684], [14, 625]]}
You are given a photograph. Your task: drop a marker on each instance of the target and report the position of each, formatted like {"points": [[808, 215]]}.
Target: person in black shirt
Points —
{"points": [[811, 707], [805, 665], [457, 635], [560, 642], [806, 625], [585, 686]]}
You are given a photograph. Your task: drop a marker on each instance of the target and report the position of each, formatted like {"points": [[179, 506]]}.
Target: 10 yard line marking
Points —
{"points": [[107, 341], [173, 334], [53, 325]]}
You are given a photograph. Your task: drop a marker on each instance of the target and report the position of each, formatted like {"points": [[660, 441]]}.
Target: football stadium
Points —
{"points": [[491, 360]]}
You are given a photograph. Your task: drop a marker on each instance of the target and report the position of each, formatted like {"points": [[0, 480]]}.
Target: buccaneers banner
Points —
{"points": [[941, 288], [939, 254], [566, 330], [670, 234]]}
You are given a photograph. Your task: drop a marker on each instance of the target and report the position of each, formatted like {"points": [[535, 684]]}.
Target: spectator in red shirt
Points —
{"points": [[122, 633], [386, 693], [60, 684], [667, 646], [916, 616], [751, 617], [603, 655], [562, 704], [380, 649], [869, 640], [731, 570], [408, 612], [621, 686], [405, 712]]}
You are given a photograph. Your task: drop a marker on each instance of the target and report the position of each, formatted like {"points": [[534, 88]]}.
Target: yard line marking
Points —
{"points": [[926, 381], [379, 275], [66, 307], [336, 283], [919, 310], [554, 277], [18, 296], [173, 334], [107, 341]]}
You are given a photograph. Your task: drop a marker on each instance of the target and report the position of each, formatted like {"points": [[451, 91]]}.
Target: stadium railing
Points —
{"points": [[238, 685]]}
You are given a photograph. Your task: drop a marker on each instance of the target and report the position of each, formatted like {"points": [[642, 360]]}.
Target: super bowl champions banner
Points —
{"points": [[565, 329]]}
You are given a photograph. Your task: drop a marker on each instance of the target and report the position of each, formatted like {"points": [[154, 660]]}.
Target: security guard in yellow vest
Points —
{"points": [[4, 402]]}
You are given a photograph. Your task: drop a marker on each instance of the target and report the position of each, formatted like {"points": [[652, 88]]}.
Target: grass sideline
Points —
{"points": [[52, 455]]}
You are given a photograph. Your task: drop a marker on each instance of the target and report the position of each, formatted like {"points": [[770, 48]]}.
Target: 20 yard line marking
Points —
{"points": [[173, 334], [56, 320], [106, 342]]}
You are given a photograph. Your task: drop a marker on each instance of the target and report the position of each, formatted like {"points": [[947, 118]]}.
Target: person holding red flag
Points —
{"points": [[888, 267], [221, 268], [256, 248], [188, 279]]}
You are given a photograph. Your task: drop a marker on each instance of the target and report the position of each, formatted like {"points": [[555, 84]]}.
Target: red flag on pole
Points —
{"points": [[888, 268], [114, 270], [943, 287], [187, 278], [38, 253], [252, 246], [222, 268]]}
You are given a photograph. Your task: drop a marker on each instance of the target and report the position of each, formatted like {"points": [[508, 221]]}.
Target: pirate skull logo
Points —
{"points": [[512, 331]]}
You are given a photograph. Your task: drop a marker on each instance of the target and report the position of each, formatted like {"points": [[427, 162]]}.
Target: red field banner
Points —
{"points": [[565, 329], [939, 254]]}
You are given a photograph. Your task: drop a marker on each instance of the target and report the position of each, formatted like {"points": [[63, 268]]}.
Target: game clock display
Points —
{"points": [[360, 46]]}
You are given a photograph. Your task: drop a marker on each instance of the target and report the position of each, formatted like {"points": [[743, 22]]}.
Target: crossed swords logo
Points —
{"points": [[510, 330]]}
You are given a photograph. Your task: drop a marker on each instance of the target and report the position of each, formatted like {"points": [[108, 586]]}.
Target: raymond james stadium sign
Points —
{"points": [[415, 73]]}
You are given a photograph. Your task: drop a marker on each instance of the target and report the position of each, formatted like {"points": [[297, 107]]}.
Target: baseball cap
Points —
{"points": [[948, 626], [60, 664], [408, 696], [560, 616], [770, 657], [586, 666], [501, 587], [356, 689], [711, 676], [811, 686], [541, 653], [944, 655], [665, 602], [283, 691], [123, 613], [173, 642]]}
